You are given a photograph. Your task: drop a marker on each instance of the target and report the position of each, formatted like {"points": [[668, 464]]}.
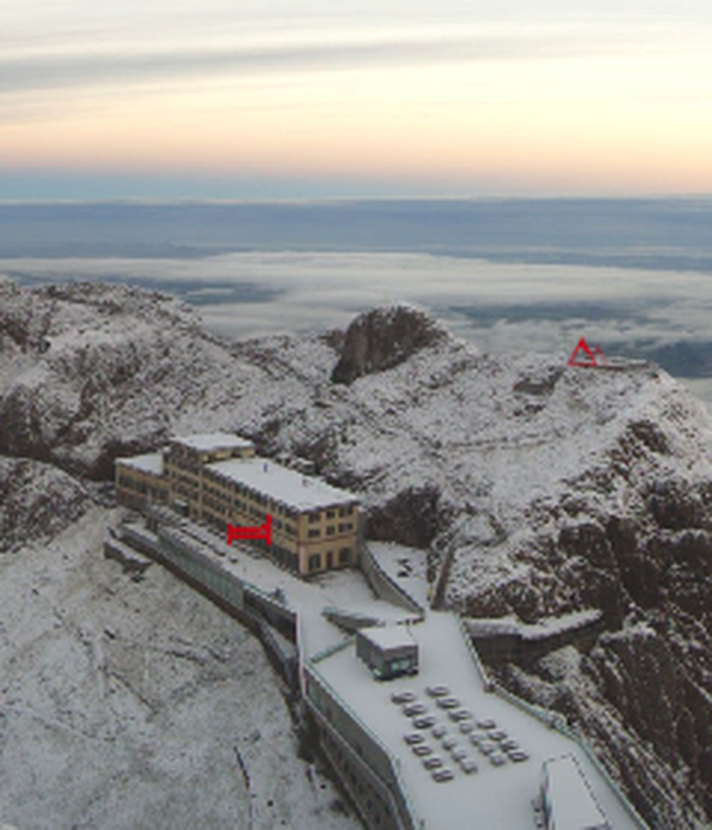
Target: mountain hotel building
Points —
{"points": [[218, 480]]}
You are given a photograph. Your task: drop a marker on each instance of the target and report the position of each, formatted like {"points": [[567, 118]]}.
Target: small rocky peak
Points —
{"points": [[383, 338]]}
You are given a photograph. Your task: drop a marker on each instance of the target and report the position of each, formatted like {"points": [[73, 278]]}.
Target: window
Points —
{"points": [[314, 562], [314, 517], [346, 527], [330, 514], [344, 555], [331, 530], [314, 532]]}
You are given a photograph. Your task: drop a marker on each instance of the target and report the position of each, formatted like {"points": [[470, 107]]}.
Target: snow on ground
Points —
{"points": [[500, 796], [124, 705], [343, 589], [405, 566]]}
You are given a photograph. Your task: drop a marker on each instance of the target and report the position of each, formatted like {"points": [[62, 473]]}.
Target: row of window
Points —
{"points": [[186, 481], [215, 505], [331, 514], [219, 507], [185, 462], [368, 797], [137, 485], [315, 532]]}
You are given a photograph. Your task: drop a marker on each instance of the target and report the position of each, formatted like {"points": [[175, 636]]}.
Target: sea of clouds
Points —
{"points": [[660, 315]]}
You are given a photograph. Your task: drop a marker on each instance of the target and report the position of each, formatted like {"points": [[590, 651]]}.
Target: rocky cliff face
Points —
{"points": [[538, 489], [384, 338]]}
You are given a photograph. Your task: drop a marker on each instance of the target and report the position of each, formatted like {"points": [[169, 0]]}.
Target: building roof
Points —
{"points": [[493, 798], [571, 801], [213, 441], [149, 463], [391, 636], [286, 486]]}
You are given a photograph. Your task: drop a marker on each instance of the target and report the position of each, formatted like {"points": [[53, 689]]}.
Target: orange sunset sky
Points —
{"points": [[277, 98]]}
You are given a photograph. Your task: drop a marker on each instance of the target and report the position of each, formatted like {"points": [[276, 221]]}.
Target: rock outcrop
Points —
{"points": [[384, 338], [36, 501]]}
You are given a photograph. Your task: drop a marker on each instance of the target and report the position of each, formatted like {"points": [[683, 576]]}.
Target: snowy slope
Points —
{"points": [[536, 488], [125, 704]]}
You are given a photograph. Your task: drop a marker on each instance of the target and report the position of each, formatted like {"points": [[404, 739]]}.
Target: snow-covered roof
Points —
{"points": [[390, 636], [494, 797], [286, 486], [150, 463], [570, 801], [497, 797], [213, 441]]}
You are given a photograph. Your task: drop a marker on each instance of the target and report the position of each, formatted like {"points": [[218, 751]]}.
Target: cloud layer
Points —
{"points": [[85, 68], [500, 307]]}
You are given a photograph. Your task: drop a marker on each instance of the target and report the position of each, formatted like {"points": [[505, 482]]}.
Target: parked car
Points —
{"points": [[468, 765], [411, 709], [439, 730], [443, 774], [424, 722], [466, 727], [405, 696], [437, 691], [519, 755], [433, 762], [413, 738], [422, 749], [448, 702], [460, 714]]}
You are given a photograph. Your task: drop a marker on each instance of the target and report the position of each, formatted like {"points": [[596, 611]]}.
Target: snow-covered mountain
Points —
{"points": [[538, 488]]}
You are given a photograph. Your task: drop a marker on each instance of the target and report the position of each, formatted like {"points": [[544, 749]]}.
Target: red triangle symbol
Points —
{"points": [[588, 360]]}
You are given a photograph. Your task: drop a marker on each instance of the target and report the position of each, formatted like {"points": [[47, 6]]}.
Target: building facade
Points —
{"points": [[218, 480], [140, 481]]}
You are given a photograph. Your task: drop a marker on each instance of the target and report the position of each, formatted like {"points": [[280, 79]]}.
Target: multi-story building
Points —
{"points": [[140, 480], [216, 479]]}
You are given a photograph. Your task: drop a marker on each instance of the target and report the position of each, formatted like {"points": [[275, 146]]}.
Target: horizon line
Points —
{"points": [[139, 201]]}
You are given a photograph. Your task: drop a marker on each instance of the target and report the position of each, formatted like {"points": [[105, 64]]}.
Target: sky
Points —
{"points": [[286, 99]]}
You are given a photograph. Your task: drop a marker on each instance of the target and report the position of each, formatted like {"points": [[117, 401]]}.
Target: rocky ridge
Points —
{"points": [[538, 489]]}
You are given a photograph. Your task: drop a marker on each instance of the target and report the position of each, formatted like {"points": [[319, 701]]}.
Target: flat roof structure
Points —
{"points": [[286, 486], [496, 797], [149, 463], [490, 796], [570, 803], [388, 636], [213, 441]]}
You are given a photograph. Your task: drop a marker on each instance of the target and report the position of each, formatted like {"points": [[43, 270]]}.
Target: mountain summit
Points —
{"points": [[538, 489]]}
